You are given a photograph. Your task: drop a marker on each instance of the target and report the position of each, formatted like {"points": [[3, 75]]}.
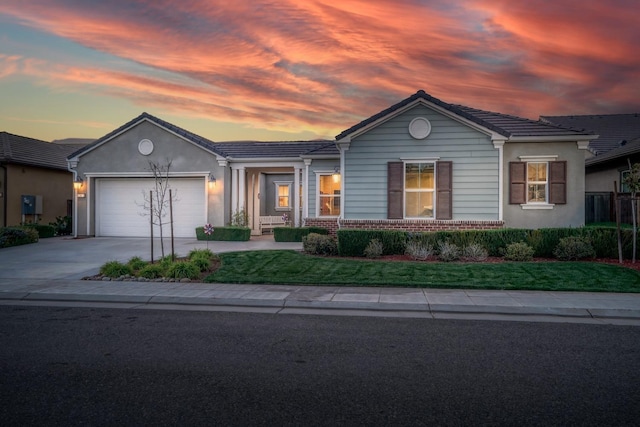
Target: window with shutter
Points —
{"points": [[444, 179], [558, 182], [517, 182], [538, 182], [395, 188]]}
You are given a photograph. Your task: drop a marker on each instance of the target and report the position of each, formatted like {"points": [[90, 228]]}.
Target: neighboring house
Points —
{"points": [[421, 164], [607, 161], [608, 164], [30, 167]]}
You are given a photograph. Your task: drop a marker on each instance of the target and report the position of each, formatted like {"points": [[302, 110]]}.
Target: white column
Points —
{"points": [[296, 196], [500, 146], [242, 197], [305, 189], [234, 190]]}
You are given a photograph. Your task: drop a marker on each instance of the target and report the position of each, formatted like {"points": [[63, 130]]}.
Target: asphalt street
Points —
{"points": [[90, 366]]}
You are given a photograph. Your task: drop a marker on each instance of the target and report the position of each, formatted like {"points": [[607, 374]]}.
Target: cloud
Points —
{"points": [[291, 64]]}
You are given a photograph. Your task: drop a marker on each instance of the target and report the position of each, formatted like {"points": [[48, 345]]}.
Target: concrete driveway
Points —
{"points": [[68, 258]]}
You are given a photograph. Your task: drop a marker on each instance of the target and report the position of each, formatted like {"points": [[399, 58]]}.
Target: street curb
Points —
{"points": [[335, 306]]}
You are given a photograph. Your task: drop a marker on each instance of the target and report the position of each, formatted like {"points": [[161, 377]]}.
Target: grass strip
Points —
{"points": [[291, 267]]}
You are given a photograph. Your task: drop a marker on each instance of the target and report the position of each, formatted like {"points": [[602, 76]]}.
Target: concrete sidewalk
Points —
{"points": [[610, 308], [49, 273]]}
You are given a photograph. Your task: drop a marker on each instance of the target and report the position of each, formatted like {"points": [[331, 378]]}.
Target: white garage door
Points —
{"points": [[120, 211]]}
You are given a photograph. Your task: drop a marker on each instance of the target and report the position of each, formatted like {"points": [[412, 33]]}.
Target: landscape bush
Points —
{"points": [[474, 253], [543, 241], [136, 263], [319, 244], [63, 225], [183, 270], [151, 271], [44, 231], [15, 236], [418, 250], [295, 234], [448, 251], [374, 249], [228, 234], [115, 269], [574, 248], [519, 251], [353, 242]]}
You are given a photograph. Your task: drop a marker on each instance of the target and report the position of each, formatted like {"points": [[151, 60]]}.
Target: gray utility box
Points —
{"points": [[31, 205]]}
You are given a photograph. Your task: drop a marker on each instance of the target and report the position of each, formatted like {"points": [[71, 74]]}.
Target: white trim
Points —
{"points": [[532, 206], [583, 145], [419, 159], [329, 173], [418, 131], [539, 158], [277, 185], [553, 138], [147, 174], [433, 192], [499, 145]]}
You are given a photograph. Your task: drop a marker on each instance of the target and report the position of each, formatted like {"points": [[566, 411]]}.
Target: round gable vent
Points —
{"points": [[419, 128], [145, 147]]}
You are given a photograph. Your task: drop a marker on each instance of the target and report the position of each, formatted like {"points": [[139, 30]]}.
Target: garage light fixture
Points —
{"points": [[77, 184], [212, 181]]}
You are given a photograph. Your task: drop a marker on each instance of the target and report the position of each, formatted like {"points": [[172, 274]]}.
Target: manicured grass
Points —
{"points": [[290, 267]]}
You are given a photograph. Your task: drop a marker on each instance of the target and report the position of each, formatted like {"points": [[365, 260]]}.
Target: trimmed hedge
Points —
{"points": [[295, 234], [543, 241], [44, 231], [354, 242], [15, 236], [228, 234]]}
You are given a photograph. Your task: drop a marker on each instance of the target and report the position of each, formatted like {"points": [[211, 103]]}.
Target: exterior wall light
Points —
{"points": [[212, 181], [77, 184], [336, 174]]}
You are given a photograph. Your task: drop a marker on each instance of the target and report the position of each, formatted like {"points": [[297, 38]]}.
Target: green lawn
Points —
{"points": [[290, 267]]}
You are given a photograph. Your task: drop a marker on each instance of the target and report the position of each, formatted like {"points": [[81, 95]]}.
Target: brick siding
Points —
{"points": [[331, 224]]}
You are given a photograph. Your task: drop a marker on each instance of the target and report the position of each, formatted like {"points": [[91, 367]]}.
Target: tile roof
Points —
{"points": [[283, 149], [190, 136], [629, 148], [503, 124], [33, 152], [612, 128]]}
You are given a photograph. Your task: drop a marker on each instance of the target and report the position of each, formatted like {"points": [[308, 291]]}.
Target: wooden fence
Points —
{"points": [[599, 207]]}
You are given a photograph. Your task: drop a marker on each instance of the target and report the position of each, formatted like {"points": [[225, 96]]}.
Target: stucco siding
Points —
{"points": [[475, 165], [55, 187], [119, 157], [570, 214]]}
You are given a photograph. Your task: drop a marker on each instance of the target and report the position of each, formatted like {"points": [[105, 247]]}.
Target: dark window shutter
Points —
{"points": [[444, 190], [517, 182], [558, 182], [395, 189]]}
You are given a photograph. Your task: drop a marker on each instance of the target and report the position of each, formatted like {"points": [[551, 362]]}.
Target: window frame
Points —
{"points": [[623, 187], [532, 182], [335, 200], [277, 185], [548, 159], [433, 190]]}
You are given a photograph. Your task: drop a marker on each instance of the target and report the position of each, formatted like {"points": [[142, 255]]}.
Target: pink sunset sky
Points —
{"points": [[306, 69]]}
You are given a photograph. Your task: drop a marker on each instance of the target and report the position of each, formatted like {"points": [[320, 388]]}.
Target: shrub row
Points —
{"points": [[543, 241], [197, 261], [44, 231], [295, 234], [228, 234], [14, 236]]}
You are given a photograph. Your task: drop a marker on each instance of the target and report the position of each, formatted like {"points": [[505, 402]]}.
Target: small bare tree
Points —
{"points": [[156, 202], [632, 181]]}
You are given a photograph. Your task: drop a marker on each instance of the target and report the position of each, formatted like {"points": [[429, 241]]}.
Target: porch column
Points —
{"points": [[242, 186], [305, 189], [296, 196], [234, 190]]}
